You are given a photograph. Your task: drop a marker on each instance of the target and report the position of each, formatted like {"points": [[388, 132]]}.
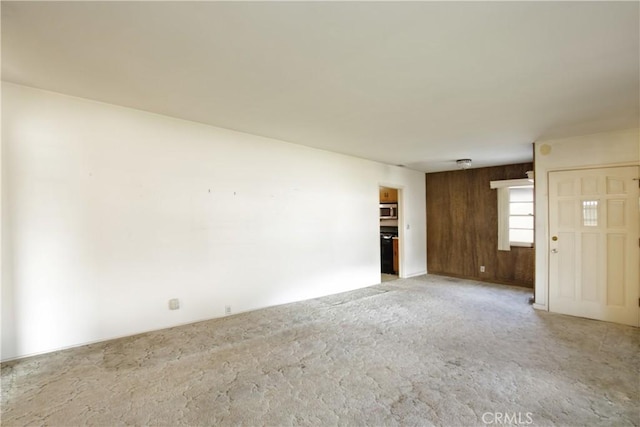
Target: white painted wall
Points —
{"points": [[588, 151], [109, 212]]}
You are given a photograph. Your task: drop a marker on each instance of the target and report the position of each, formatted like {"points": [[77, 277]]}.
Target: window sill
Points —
{"points": [[521, 245]]}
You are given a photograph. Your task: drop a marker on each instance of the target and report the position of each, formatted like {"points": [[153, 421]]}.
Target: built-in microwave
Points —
{"points": [[388, 211]]}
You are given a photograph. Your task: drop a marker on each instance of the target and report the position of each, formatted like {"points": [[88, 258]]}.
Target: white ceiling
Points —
{"points": [[414, 83]]}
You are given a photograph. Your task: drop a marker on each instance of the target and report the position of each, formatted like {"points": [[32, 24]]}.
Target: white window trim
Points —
{"points": [[503, 210], [503, 219], [524, 182], [521, 244]]}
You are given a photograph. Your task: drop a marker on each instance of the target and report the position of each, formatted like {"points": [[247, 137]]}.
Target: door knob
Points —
{"points": [[554, 251]]}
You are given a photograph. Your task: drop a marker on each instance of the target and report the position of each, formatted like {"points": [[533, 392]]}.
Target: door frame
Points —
{"points": [[401, 243]]}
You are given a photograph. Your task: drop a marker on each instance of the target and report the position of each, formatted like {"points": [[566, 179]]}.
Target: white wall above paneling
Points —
{"points": [[109, 212]]}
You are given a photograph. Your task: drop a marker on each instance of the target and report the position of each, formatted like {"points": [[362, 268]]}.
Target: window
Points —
{"points": [[590, 213], [521, 216], [515, 213]]}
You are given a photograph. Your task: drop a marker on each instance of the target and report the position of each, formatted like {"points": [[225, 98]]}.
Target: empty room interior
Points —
{"points": [[320, 213]]}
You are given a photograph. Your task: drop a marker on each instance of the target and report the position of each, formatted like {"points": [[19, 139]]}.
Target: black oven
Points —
{"points": [[386, 248]]}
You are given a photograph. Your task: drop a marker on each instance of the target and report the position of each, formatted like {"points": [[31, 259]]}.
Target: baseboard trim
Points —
{"points": [[409, 276], [485, 280]]}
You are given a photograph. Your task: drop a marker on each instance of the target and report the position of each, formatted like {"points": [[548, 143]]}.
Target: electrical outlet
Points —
{"points": [[482, 269], [227, 309], [174, 304]]}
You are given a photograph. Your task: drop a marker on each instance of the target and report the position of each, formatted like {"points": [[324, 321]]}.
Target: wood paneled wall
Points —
{"points": [[462, 227]]}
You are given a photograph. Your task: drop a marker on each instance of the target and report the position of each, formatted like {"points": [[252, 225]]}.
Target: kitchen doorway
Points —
{"points": [[389, 233]]}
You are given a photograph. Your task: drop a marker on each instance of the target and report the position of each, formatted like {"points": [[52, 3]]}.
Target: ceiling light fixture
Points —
{"points": [[464, 163]]}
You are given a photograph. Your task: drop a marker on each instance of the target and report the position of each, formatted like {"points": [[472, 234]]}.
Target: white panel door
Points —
{"points": [[594, 244]]}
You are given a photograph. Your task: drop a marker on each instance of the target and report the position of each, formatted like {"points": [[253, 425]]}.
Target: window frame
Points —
{"points": [[504, 201]]}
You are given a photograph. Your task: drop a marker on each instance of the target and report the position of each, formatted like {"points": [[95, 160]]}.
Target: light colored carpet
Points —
{"points": [[425, 351]]}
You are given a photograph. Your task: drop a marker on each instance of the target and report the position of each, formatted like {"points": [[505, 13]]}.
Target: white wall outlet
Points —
{"points": [[174, 304], [482, 269], [227, 309]]}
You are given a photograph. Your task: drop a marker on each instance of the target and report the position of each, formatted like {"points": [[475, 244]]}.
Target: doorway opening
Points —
{"points": [[389, 237]]}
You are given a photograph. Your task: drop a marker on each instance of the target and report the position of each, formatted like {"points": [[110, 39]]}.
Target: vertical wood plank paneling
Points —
{"points": [[462, 227]]}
